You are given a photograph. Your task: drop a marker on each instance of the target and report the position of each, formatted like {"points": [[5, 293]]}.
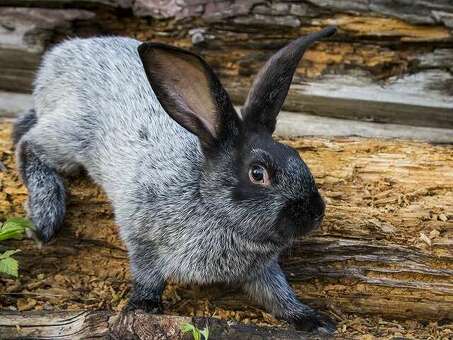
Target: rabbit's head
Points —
{"points": [[262, 187]]}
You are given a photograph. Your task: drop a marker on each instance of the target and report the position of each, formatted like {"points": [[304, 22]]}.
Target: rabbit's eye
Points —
{"points": [[258, 175]]}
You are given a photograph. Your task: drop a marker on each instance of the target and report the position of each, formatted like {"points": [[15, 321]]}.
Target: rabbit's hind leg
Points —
{"points": [[46, 192]]}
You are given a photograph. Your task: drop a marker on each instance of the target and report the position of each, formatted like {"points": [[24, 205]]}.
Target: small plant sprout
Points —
{"points": [[13, 228], [196, 333]]}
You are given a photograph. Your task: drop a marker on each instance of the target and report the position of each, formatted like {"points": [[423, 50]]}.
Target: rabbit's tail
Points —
{"points": [[23, 124]]}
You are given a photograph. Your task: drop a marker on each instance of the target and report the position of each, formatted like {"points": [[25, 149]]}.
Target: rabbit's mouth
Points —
{"points": [[300, 217], [292, 229]]}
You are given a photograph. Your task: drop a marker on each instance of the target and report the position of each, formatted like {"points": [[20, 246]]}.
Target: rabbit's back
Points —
{"points": [[96, 109]]}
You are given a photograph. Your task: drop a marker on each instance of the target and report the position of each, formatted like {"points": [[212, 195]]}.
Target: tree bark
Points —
{"points": [[389, 62], [385, 247]]}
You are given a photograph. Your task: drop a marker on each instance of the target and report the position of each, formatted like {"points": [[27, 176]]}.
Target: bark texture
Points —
{"points": [[391, 61], [384, 249], [134, 325]]}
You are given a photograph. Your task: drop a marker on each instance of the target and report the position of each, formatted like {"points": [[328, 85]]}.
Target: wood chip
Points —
{"points": [[25, 304], [443, 217], [433, 234], [425, 239]]}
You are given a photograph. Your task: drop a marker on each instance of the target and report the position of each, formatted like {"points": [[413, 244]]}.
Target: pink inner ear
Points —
{"points": [[189, 86], [184, 107]]}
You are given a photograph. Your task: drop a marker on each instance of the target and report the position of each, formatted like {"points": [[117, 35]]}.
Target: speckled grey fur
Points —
{"points": [[96, 109]]}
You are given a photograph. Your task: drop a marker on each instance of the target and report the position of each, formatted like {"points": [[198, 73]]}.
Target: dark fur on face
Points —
{"points": [[302, 206]]}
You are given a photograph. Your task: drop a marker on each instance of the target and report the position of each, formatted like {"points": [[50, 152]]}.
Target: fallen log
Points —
{"points": [[133, 325], [384, 249], [24, 37], [390, 61]]}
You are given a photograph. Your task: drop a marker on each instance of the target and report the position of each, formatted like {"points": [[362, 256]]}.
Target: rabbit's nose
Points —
{"points": [[299, 217]]}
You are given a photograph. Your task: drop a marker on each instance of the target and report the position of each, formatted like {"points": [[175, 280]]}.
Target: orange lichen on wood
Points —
{"points": [[385, 27], [375, 58]]}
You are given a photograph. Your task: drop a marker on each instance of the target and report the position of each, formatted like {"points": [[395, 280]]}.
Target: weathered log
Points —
{"points": [[290, 125], [385, 247], [133, 325], [69, 3], [12, 103], [24, 35], [389, 62]]}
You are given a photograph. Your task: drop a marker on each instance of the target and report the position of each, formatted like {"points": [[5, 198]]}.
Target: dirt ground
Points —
{"points": [[395, 196]]}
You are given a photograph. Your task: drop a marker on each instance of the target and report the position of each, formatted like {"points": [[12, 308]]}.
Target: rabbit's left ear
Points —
{"points": [[271, 85], [189, 91]]}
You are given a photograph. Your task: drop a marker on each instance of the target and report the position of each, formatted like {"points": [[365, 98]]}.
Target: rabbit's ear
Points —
{"points": [[271, 85], [189, 91]]}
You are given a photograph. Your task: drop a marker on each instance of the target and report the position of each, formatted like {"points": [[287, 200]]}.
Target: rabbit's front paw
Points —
{"points": [[314, 322], [148, 306]]}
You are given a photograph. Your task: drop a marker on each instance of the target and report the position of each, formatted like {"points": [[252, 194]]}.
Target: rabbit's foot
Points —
{"points": [[315, 322]]}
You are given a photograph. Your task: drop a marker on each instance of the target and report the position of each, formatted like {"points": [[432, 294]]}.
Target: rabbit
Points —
{"points": [[201, 193]]}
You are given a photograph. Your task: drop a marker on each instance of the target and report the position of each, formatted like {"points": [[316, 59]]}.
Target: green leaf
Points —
{"points": [[8, 253], [196, 333], [17, 222], [8, 265], [187, 327], [16, 234], [14, 228]]}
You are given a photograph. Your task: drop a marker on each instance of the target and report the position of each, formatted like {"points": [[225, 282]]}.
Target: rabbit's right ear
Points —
{"points": [[190, 92]]}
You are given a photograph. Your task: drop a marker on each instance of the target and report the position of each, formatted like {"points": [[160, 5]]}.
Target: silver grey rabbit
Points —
{"points": [[201, 193]]}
